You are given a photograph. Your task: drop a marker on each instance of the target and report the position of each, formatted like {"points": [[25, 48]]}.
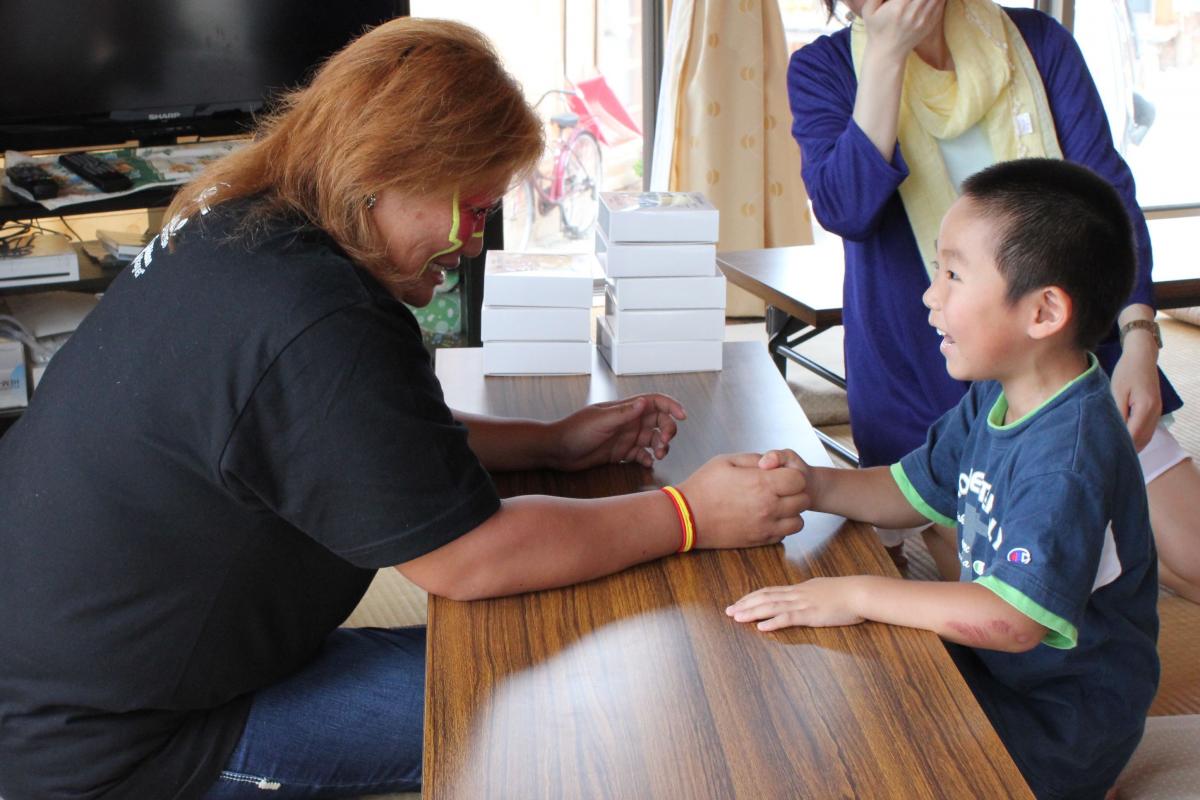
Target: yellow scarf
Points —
{"points": [[995, 84]]}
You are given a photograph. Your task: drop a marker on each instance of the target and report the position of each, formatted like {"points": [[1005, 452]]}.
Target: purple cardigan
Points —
{"points": [[897, 384]]}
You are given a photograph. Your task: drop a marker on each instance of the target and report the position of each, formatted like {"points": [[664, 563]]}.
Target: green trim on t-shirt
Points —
{"points": [[995, 417], [915, 499], [1061, 635]]}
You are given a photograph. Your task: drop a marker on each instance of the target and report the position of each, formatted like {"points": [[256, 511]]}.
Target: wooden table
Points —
{"points": [[638, 685]]}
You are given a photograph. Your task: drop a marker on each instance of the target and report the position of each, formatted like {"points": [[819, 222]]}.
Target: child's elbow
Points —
{"points": [[1022, 636]]}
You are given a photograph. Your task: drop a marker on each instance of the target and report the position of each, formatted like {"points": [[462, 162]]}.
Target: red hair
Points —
{"points": [[418, 105]]}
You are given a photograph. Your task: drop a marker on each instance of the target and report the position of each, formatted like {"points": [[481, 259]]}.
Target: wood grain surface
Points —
{"points": [[638, 685]]}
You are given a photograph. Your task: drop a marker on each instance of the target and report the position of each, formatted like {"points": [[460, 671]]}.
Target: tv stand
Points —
{"points": [[14, 208]]}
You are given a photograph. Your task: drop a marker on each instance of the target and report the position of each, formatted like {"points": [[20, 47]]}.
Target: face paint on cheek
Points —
{"points": [[455, 242]]}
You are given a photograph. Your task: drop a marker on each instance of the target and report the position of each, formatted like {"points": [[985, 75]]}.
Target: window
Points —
{"points": [[1145, 58], [580, 62]]}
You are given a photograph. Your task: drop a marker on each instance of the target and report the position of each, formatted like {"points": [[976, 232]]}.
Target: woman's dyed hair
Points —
{"points": [[419, 105]]}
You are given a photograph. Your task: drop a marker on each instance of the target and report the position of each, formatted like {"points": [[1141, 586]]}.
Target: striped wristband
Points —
{"points": [[687, 523]]}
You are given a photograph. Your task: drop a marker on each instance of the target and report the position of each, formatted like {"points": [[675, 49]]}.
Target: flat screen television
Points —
{"points": [[80, 73]]}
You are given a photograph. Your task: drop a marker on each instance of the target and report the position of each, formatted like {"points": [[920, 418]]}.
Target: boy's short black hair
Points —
{"points": [[1061, 225]]}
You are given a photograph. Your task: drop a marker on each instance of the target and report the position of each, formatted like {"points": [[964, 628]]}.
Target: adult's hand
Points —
{"points": [[737, 503], [1135, 386], [895, 27], [638, 428]]}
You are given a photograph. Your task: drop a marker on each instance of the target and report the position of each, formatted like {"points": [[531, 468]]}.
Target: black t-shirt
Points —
{"points": [[212, 469]]}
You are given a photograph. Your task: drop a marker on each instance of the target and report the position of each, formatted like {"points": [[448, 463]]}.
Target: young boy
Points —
{"points": [[1053, 621]]}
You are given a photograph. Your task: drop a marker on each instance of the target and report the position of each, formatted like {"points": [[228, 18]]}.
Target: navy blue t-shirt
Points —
{"points": [[1051, 515], [210, 473]]}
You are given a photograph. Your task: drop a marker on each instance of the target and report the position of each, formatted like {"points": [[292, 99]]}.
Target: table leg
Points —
{"points": [[841, 451]]}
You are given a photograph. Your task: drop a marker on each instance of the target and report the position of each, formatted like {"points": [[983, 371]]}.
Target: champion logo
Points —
{"points": [[1019, 555]]}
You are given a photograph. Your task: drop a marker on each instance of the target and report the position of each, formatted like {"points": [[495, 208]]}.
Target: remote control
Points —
{"points": [[33, 179], [96, 171]]}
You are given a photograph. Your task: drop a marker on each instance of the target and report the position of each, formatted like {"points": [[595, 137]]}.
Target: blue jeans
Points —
{"points": [[349, 723]]}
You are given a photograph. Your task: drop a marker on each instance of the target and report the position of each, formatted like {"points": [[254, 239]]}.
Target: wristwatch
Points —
{"points": [[1146, 324]]}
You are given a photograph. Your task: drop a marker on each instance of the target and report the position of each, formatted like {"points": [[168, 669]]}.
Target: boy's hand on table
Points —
{"points": [[816, 603]]}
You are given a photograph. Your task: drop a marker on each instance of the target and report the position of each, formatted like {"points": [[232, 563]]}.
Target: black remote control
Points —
{"points": [[96, 171], [33, 179]]}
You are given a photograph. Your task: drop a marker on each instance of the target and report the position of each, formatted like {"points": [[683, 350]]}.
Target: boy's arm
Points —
{"points": [[867, 495], [966, 613]]}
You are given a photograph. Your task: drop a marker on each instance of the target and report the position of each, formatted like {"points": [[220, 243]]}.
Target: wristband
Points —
{"points": [[687, 523], [1145, 324]]}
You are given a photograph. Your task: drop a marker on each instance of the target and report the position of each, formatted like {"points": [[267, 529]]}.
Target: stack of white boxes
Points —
{"points": [[665, 298], [536, 313]]}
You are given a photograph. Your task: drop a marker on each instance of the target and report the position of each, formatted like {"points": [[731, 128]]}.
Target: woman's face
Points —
{"points": [[425, 236]]}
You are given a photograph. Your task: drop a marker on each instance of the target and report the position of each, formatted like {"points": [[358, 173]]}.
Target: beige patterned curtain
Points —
{"points": [[724, 127]]}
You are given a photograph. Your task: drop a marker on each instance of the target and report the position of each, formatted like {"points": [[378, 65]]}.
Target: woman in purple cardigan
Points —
{"points": [[891, 114]]}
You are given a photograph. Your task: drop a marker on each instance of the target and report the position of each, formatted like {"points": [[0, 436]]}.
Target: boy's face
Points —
{"points": [[983, 336]]}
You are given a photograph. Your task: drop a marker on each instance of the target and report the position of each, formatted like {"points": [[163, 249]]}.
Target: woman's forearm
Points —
{"points": [[877, 103], [503, 445], [537, 542]]}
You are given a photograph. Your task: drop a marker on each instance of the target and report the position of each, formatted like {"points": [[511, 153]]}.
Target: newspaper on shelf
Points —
{"points": [[145, 166]]}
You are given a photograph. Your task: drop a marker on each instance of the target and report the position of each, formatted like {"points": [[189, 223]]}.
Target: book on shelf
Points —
{"points": [[531, 323], [538, 279], [646, 358], [39, 259], [654, 259], [657, 217], [537, 358], [661, 293]]}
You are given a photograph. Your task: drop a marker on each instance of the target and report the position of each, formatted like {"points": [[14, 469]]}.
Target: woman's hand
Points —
{"points": [[895, 27], [817, 603], [638, 428], [1135, 386], [737, 503]]}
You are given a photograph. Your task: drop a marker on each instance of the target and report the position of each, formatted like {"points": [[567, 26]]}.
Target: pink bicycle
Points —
{"points": [[566, 180]]}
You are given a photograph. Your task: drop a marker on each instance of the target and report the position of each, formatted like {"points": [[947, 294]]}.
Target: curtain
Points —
{"points": [[724, 127]]}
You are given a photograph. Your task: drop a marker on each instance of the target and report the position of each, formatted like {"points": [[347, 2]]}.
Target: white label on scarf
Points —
{"points": [[1024, 124]]}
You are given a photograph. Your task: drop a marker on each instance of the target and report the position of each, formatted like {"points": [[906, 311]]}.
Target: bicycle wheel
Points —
{"points": [[582, 171], [520, 210]]}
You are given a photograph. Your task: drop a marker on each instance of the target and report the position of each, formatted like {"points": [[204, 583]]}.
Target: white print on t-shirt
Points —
{"points": [[971, 522], [141, 263]]}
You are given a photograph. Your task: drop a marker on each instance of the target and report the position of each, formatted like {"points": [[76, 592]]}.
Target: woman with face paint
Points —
{"points": [[249, 426], [891, 115]]}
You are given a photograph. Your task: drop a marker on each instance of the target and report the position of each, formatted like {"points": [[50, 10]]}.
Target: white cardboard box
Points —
{"points": [[661, 293], [657, 217], [51, 259], [664, 325], [533, 324], [563, 280], [643, 358], [654, 259], [14, 386], [537, 358]]}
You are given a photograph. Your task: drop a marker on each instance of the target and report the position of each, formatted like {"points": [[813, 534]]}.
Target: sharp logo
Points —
{"points": [[166, 115]]}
